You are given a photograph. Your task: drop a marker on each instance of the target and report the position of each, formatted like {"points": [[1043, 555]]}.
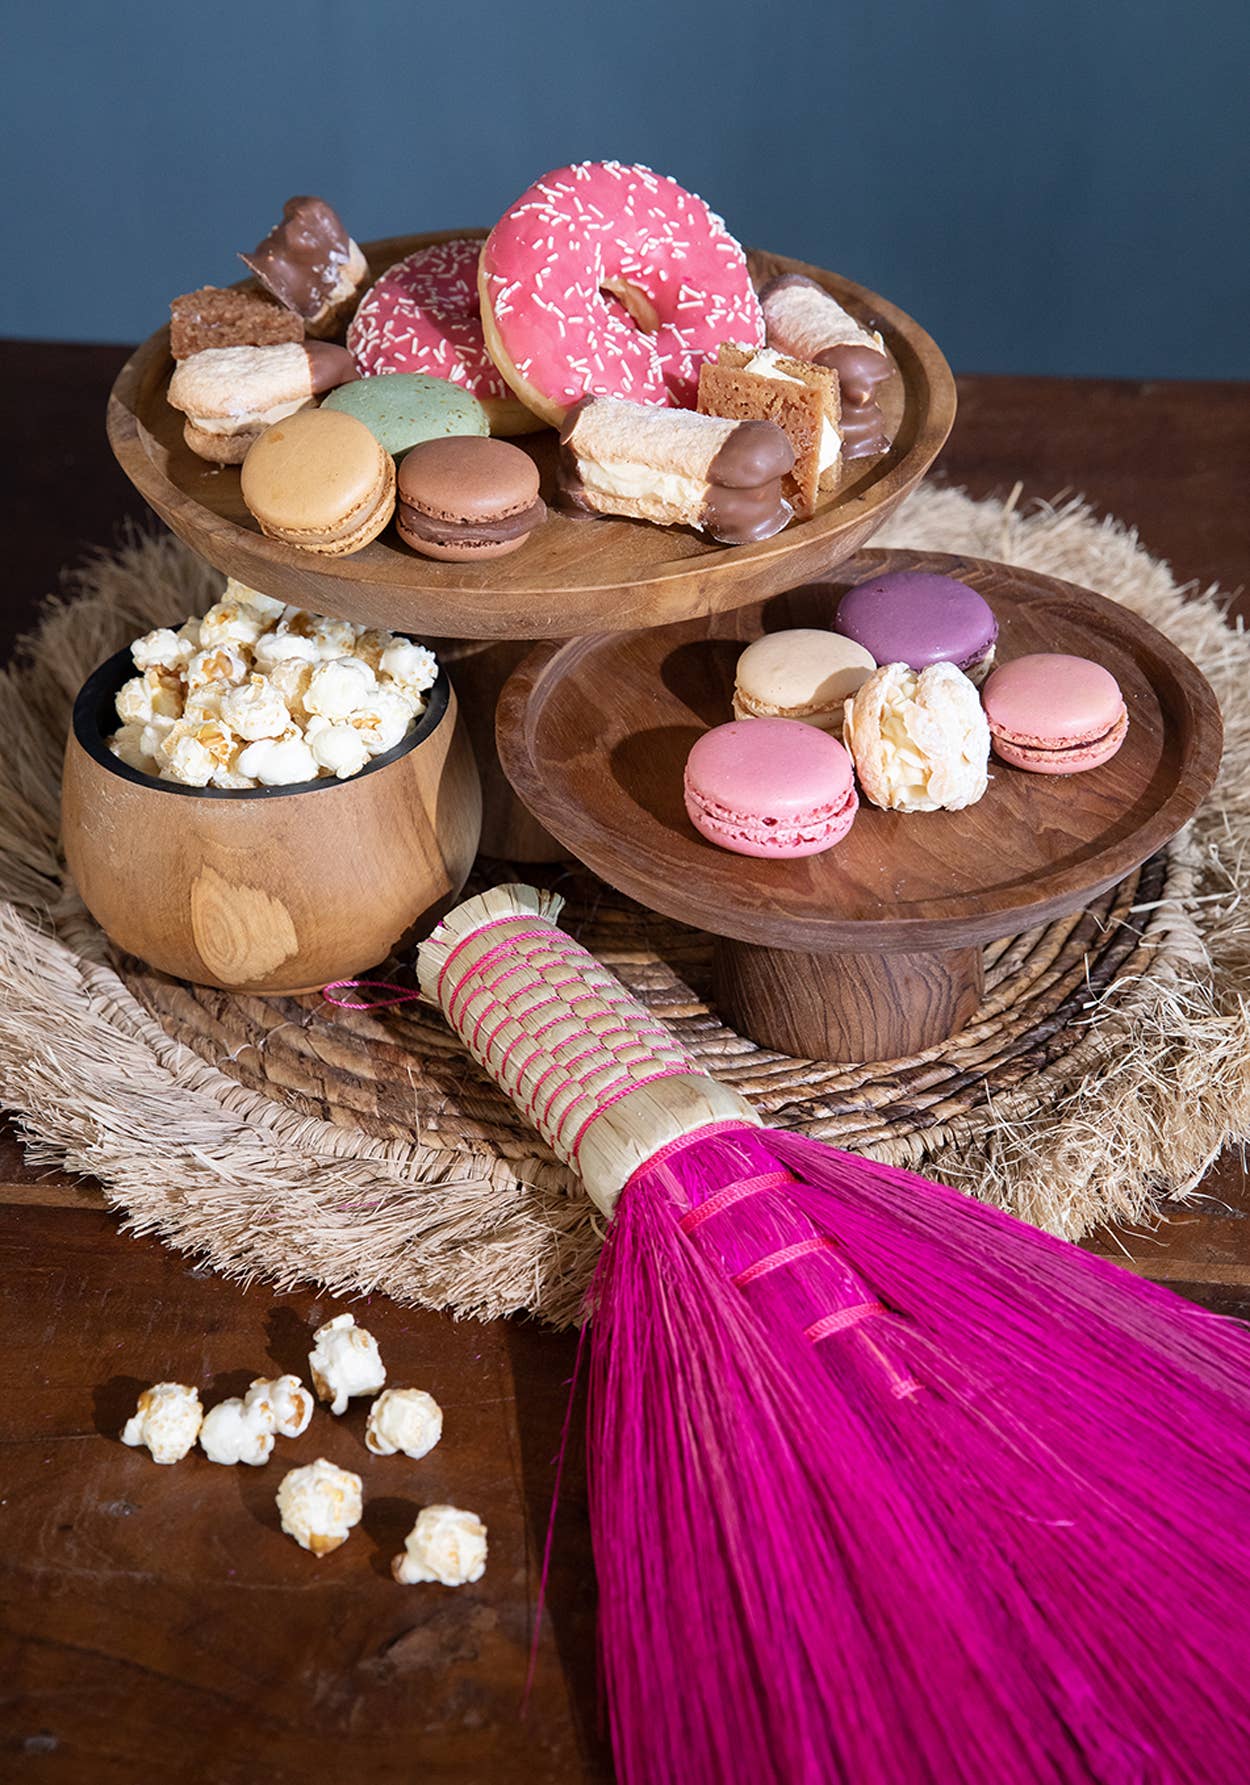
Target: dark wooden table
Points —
{"points": [[155, 1620]]}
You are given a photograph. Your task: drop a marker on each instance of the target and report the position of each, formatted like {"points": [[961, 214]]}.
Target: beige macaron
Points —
{"points": [[321, 481], [802, 674]]}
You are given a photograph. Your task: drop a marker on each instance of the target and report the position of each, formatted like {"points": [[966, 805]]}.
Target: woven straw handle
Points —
{"points": [[603, 1082]]}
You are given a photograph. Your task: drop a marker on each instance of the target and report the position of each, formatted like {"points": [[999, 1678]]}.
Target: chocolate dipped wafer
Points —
{"points": [[804, 322], [676, 468], [230, 395], [311, 264]]}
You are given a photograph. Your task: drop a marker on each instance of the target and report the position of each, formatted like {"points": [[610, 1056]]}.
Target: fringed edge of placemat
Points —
{"points": [[1151, 1094]]}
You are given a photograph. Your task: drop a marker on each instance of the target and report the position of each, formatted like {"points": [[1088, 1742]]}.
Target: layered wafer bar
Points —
{"points": [[676, 468], [742, 383]]}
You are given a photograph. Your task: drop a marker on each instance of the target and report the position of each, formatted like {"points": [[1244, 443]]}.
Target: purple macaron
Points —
{"points": [[914, 617]]}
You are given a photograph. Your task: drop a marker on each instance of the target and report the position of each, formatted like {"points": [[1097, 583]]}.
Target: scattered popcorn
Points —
{"points": [[238, 1431], [319, 1504], [413, 667], [345, 1361], [278, 762], [162, 649], [296, 696], [339, 749], [167, 1421], [340, 688], [156, 693], [445, 1545], [404, 1419], [255, 710], [285, 1401]]}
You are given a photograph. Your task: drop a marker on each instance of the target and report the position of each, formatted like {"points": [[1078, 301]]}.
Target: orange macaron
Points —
{"points": [[321, 481]]}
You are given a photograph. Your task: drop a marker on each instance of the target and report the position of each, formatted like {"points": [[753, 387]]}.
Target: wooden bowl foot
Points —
{"points": [[850, 1007]]}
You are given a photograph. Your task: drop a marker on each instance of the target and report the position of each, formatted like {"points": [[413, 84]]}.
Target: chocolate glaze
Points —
{"points": [[860, 370], [440, 532], [737, 516], [572, 417], [863, 431], [300, 259], [329, 366], [756, 452]]}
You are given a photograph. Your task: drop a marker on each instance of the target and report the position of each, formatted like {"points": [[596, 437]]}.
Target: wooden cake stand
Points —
{"points": [[572, 576], [871, 951]]}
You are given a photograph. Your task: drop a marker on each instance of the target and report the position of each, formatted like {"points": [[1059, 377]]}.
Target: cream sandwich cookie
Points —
{"points": [[230, 395], [676, 468], [802, 320], [800, 674]]}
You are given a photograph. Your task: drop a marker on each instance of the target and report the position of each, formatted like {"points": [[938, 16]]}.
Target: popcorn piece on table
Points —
{"points": [[345, 1361], [238, 1431], [278, 762], [286, 1402], [255, 709], [339, 688], [404, 1419], [338, 748], [319, 1504], [167, 1421], [445, 1545], [920, 742]]}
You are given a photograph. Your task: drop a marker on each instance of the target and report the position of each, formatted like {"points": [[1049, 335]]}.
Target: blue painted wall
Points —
{"points": [[1058, 187]]}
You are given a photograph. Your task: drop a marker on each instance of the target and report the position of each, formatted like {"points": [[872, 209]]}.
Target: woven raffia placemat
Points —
{"points": [[282, 1138]]}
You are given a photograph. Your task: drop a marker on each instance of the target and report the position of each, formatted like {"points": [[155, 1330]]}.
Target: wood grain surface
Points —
{"points": [[594, 734], [559, 583], [126, 1645]]}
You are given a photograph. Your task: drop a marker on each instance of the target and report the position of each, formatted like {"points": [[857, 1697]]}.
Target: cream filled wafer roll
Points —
{"points": [[804, 322], [230, 395], [676, 468]]}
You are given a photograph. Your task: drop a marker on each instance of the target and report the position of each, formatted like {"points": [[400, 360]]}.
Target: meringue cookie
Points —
{"points": [[319, 1505], [235, 1431], [445, 1545], [404, 1419], [920, 742], [345, 1361], [167, 1421], [285, 1401]]}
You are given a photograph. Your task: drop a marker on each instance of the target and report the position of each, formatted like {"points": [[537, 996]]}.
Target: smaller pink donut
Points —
{"points": [[423, 315]]}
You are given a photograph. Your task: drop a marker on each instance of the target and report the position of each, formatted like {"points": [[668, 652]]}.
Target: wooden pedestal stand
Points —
{"points": [[871, 950], [572, 576]]}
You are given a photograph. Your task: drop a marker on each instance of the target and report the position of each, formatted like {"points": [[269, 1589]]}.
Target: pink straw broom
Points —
{"points": [[886, 1486]]}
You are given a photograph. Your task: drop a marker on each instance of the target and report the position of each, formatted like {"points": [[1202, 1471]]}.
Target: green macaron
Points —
{"points": [[401, 409]]}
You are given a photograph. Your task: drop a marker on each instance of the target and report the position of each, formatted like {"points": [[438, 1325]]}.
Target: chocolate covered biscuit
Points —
{"points": [[311, 264]]}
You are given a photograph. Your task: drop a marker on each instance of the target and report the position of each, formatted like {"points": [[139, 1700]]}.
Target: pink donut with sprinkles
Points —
{"points": [[423, 316], [613, 281]]}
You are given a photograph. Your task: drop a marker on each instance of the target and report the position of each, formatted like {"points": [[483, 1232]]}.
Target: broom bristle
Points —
{"points": [[887, 1487]]}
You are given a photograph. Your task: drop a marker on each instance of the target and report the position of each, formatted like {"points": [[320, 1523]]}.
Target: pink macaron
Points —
{"points": [[1054, 715], [770, 787]]}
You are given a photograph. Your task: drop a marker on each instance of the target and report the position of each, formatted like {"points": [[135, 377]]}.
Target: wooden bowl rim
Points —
{"points": [[682, 583], [104, 681], [585, 837]]}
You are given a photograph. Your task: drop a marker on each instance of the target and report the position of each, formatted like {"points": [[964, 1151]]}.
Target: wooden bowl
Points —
{"points": [[572, 576], [271, 890], [872, 950]]}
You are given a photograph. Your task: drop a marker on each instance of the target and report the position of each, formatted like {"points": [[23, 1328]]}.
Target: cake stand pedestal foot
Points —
{"points": [[478, 668], [851, 1007]]}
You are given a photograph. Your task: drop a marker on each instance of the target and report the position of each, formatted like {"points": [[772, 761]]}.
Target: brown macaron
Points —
{"points": [[465, 497]]}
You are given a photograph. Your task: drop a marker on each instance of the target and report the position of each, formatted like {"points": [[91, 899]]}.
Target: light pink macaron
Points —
{"points": [[770, 787], [1054, 715]]}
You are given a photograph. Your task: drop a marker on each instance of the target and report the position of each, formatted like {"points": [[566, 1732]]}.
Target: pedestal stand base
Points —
{"points": [[845, 1006]]}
